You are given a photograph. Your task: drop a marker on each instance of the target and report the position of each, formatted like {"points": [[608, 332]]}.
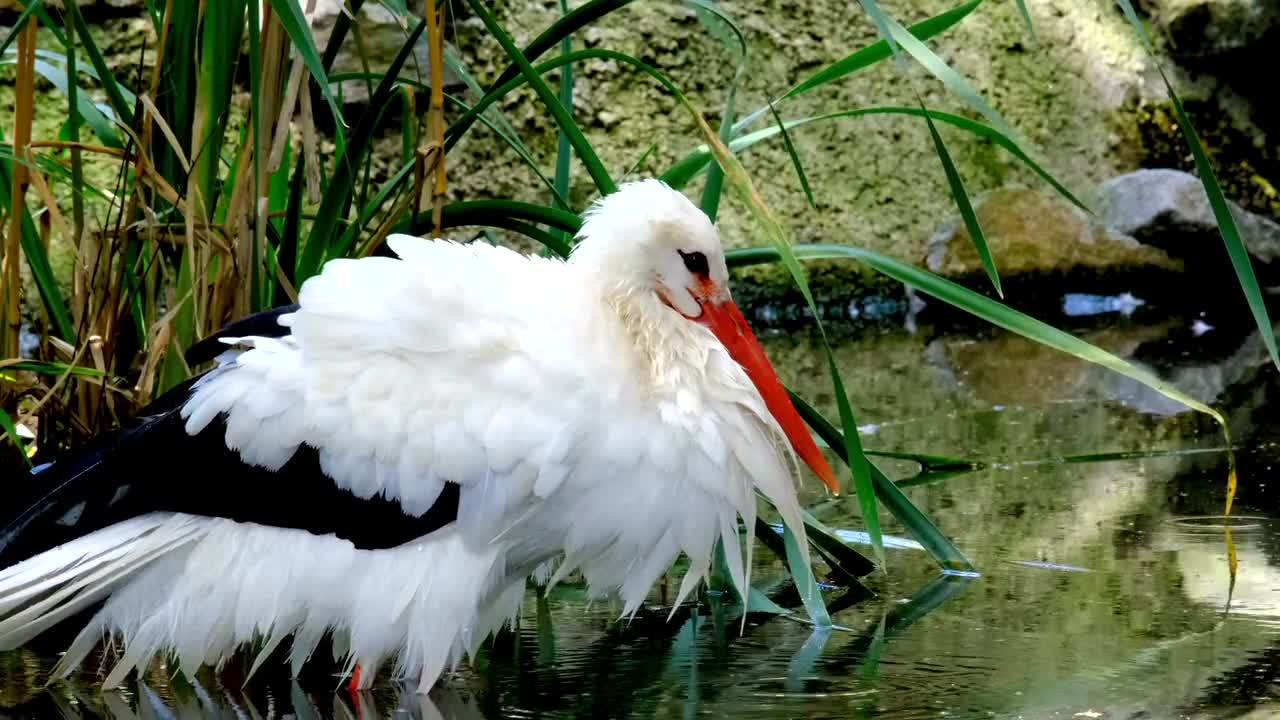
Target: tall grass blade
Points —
{"points": [[765, 219], [801, 667], [37, 255], [956, 83], [795, 157], [564, 147], [342, 24], [41, 367], [295, 25], [57, 57], [867, 57], [961, 197], [290, 234], [846, 564], [11, 244], [758, 602], [982, 307], [11, 432], [222, 32], [1236, 249], [575, 20], [599, 174], [931, 463], [327, 226], [944, 552], [727, 32], [87, 111], [507, 214], [74, 119], [33, 9], [842, 557], [691, 165], [806, 584], [1127, 8], [497, 121], [864, 484], [493, 120], [258, 141], [1026, 19], [638, 165], [872, 8], [113, 89]]}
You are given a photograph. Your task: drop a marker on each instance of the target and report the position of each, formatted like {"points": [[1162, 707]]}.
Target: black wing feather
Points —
{"points": [[263, 324], [154, 465]]}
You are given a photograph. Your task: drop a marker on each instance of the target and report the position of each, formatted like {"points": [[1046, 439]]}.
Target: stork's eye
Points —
{"points": [[696, 262]]}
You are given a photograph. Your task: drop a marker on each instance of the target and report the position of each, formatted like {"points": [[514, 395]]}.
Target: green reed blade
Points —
{"points": [[295, 26], [508, 214], [326, 230], [599, 174], [1236, 248], [564, 147], [575, 20], [961, 196], [944, 552], [867, 57], [1026, 19], [954, 81], [980, 306], [795, 157], [638, 164], [33, 248], [806, 584], [691, 165], [727, 32], [843, 558], [42, 367], [34, 8], [931, 463], [11, 432], [113, 89]]}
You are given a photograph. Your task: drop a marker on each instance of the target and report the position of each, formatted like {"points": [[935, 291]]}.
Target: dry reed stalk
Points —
{"points": [[10, 277], [435, 40]]}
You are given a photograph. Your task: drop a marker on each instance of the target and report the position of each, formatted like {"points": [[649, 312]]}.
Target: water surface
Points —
{"points": [[1095, 522]]}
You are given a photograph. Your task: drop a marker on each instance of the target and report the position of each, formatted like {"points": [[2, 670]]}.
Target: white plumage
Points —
{"points": [[587, 411]]}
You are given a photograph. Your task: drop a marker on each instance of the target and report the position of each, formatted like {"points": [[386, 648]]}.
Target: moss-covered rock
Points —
{"points": [[1037, 232]]}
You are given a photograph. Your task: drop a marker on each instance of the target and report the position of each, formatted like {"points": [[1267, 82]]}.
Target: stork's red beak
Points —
{"points": [[724, 319]]}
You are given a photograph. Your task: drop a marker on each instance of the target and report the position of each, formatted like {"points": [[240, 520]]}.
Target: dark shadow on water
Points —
{"points": [[622, 674]]}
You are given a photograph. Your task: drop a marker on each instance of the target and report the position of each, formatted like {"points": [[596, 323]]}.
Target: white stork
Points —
{"points": [[389, 461]]}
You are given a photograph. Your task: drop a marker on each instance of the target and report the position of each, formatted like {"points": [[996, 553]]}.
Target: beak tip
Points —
{"points": [[829, 478]]}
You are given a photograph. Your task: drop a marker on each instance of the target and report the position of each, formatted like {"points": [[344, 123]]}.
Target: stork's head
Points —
{"points": [[647, 238]]}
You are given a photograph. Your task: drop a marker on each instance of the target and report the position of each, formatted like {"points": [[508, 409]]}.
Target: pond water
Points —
{"points": [[1095, 523]]}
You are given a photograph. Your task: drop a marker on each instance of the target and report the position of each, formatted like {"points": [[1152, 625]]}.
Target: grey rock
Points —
{"points": [[1169, 209]]}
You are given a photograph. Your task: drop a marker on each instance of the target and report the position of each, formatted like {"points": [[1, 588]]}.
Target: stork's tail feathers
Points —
{"points": [[42, 591], [158, 583]]}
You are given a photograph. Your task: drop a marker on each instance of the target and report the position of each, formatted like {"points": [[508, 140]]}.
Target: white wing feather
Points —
{"points": [[502, 373], [519, 379]]}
